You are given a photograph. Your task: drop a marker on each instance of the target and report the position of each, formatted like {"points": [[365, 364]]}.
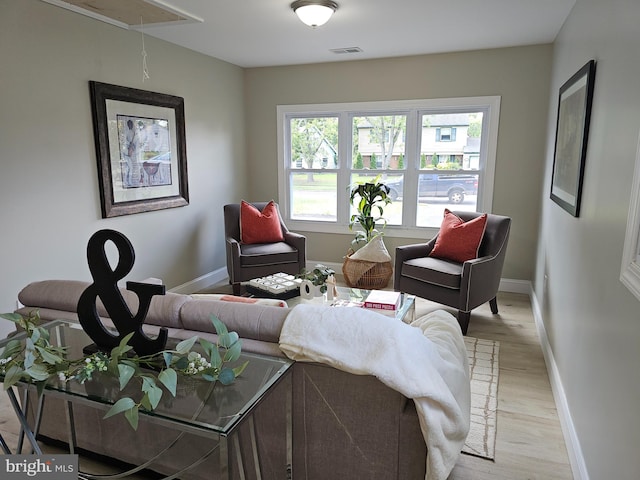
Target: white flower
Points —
{"points": [[87, 360], [62, 376]]}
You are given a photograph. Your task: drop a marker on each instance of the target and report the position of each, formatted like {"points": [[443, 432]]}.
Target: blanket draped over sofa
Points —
{"points": [[425, 361]]}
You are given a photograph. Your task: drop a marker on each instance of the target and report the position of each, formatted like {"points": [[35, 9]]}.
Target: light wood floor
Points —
{"points": [[529, 443]]}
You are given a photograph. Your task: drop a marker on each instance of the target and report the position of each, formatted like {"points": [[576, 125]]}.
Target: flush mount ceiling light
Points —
{"points": [[314, 12]]}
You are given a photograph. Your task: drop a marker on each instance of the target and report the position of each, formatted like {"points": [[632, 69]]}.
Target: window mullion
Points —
{"points": [[411, 168], [345, 147]]}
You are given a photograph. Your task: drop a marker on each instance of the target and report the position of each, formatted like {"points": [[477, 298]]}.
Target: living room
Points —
{"points": [[570, 266]]}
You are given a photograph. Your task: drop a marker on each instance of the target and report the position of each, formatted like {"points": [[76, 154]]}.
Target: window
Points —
{"points": [[445, 134], [433, 154]]}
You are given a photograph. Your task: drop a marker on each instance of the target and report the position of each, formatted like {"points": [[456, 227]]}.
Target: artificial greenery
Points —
{"points": [[373, 196], [318, 276], [36, 360]]}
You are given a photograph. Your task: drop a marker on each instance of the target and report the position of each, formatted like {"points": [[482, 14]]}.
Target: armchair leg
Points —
{"points": [[493, 303], [236, 288], [463, 320]]}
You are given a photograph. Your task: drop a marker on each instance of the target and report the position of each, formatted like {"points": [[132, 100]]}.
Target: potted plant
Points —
{"points": [[369, 267], [318, 276], [374, 196]]}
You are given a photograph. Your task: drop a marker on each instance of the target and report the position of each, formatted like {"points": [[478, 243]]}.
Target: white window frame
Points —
{"points": [[630, 271], [489, 105]]}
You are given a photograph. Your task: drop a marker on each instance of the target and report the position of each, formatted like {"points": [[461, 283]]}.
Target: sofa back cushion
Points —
{"points": [[257, 322], [63, 295]]}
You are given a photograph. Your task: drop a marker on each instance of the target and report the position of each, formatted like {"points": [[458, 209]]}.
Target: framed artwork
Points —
{"points": [[572, 132], [630, 271], [140, 149]]}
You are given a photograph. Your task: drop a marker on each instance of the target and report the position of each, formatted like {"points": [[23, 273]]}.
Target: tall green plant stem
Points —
{"points": [[374, 196]]}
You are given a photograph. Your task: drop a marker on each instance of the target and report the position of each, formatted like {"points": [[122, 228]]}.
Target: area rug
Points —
{"points": [[484, 368]]}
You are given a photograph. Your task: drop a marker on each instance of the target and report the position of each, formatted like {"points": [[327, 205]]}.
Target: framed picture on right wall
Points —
{"points": [[572, 132]]}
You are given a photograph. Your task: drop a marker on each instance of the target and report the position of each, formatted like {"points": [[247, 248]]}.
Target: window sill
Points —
{"points": [[389, 231]]}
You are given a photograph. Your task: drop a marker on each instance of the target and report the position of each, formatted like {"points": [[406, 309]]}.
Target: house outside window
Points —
{"points": [[433, 154]]}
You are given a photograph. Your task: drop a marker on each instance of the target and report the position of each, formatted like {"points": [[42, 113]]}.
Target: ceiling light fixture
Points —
{"points": [[314, 12]]}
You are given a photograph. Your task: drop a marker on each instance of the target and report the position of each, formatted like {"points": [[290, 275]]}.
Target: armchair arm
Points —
{"points": [[416, 250], [407, 252], [480, 280], [233, 257], [299, 242]]}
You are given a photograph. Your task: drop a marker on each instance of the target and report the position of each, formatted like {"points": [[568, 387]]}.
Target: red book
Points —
{"points": [[383, 300]]}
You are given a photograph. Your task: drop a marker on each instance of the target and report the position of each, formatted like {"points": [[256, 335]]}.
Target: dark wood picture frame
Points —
{"points": [[572, 132], [129, 125]]}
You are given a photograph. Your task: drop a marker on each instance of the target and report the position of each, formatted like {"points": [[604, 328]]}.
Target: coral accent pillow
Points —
{"points": [[459, 241], [260, 227]]}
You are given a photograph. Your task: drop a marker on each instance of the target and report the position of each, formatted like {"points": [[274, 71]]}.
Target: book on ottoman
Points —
{"points": [[385, 301]]}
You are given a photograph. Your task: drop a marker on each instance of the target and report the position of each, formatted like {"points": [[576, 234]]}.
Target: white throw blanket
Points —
{"points": [[430, 353]]}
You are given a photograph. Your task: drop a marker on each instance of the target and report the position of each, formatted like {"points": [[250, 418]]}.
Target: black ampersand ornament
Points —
{"points": [[105, 286]]}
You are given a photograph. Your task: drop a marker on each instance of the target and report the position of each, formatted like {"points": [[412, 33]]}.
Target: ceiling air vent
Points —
{"points": [[346, 50]]}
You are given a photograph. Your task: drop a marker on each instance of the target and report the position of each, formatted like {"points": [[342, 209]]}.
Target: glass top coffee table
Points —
{"points": [[210, 410], [350, 298]]}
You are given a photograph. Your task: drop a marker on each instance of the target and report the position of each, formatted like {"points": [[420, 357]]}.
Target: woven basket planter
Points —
{"points": [[367, 275]]}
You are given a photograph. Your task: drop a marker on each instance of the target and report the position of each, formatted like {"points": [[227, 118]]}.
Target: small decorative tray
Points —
{"points": [[279, 285]]}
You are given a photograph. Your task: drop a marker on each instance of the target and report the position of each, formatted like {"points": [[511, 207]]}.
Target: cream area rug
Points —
{"points": [[483, 368]]}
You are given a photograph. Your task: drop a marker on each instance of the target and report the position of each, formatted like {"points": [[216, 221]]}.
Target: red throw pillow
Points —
{"points": [[459, 241], [260, 227]]}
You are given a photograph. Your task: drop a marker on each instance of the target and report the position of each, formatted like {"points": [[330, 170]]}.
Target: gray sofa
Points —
{"points": [[345, 426]]}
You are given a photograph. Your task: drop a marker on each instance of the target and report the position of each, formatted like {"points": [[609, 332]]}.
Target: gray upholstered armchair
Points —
{"points": [[248, 261], [463, 286]]}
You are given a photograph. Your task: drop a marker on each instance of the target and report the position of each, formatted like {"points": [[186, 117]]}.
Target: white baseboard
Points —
{"points": [[204, 281], [515, 286], [576, 459]]}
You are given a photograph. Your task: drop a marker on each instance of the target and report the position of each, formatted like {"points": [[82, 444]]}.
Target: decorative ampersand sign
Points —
{"points": [[105, 286]]}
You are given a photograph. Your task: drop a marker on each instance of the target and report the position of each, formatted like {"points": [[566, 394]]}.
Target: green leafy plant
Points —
{"points": [[36, 360], [371, 198], [318, 276]]}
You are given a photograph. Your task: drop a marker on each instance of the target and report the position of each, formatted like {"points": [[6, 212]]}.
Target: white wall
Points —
{"points": [[49, 196], [591, 319]]}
